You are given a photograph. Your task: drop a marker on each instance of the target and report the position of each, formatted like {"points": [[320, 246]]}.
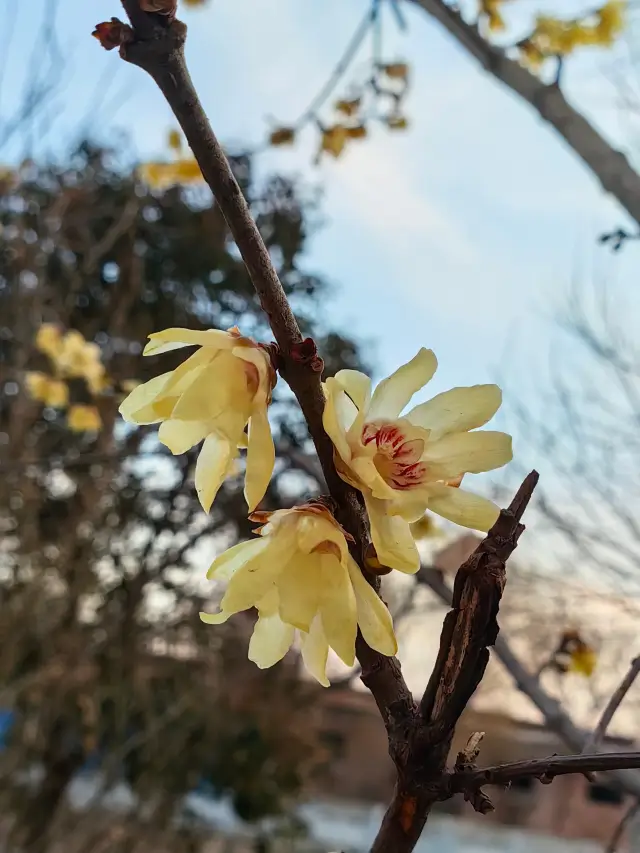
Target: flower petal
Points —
{"points": [[227, 564], [217, 394], [214, 461], [215, 618], [374, 618], [136, 407], [313, 528], [299, 589], [259, 575], [462, 507], [457, 410], [188, 371], [336, 417], [180, 436], [338, 608], [270, 641], [468, 452], [171, 339], [391, 536], [261, 457], [315, 651], [357, 385], [394, 392]]}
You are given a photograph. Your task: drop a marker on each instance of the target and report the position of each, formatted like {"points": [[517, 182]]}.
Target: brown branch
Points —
{"points": [[614, 171], [554, 715], [596, 737], [544, 769], [159, 50], [420, 752]]}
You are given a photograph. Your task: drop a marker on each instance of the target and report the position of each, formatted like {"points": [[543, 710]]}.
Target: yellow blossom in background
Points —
{"points": [[282, 136], [397, 122], [79, 358], [129, 384], [83, 418], [574, 654], [174, 140], [356, 131], [348, 107], [404, 464], [396, 70], [212, 396], [160, 176], [583, 661], [333, 140], [556, 37], [300, 576], [57, 394], [49, 340]]}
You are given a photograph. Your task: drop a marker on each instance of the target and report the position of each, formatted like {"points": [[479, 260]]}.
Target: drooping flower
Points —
{"points": [[212, 396], [300, 576], [403, 464]]}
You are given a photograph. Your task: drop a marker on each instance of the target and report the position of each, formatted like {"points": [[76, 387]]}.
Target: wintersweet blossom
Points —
{"points": [[403, 464], [212, 396], [300, 576]]}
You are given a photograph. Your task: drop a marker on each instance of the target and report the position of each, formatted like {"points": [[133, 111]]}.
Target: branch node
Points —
{"points": [[306, 353]]}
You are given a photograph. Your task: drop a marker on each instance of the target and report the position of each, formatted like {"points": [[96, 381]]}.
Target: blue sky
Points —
{"points": [[463, 234]]}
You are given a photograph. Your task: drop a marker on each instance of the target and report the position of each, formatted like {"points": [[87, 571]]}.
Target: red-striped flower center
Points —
{"points": [[397, 457]]}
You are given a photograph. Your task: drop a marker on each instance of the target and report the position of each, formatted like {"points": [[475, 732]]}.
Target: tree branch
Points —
{"points": [[555, 717], [420, 751], [544, 769], [596, 737], [159, 50], [613, 170]]}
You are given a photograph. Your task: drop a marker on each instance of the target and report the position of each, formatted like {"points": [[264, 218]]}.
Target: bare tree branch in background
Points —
{"points": [[611, 167]]}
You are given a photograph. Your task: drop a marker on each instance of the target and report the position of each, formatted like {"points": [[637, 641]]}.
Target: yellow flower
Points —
{"points": [[51, 392], [583, 660], [334, 139], [174, 140], [300, 575], [213, 395], [397, 122], [82, 418], [282, 136], [348, 107], [77, 357], [396, 70], [187, 171], [404, 464], [37, 384], [48, 340]]}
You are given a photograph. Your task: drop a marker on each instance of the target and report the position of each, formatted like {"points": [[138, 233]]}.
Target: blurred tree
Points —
{"points": [[104, 663]]}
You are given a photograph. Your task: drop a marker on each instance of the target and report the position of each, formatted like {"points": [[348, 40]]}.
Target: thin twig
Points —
{"points": [[620, 829], [544, 769], [597, 736], [554, 715]]}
